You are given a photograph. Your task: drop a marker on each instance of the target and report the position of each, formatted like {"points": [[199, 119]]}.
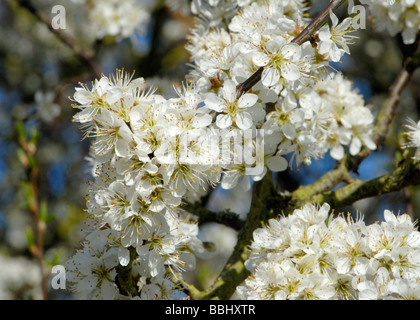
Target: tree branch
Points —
{"points": [[318, 22], [328, 181], [405, 175], [124, 279], [234, 271], [30, 188], [85, 57], [225, 217]]}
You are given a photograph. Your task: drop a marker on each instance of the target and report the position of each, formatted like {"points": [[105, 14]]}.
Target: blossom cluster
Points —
{"points": [[304, 109], [151, 154], [120, 19], [396, 17], [311, 254], [134, 199]]}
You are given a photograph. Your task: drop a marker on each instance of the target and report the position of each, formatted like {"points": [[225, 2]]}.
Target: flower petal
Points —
{"points": [[230, 179], [355, 146], [289, 131], [247, 100], [244, 120], [270, 76], [337, 152], [202, 121], [290, 50], [223, 121], [229, 90], [214, 102], [290, 71], [123, 256], [260, 59], [276, 163]]}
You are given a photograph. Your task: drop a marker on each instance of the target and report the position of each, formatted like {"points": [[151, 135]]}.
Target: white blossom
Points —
{"points": [[153, 153], [413, 134], [333, 42], [312, 255], [396, 17]]}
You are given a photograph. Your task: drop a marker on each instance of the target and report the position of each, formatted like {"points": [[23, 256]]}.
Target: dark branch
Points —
{"points": [[225, 217], [405, 175], [304, 36]]}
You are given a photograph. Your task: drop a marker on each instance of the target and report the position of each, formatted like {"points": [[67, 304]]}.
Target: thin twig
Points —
{"points": [[32, 173], [304, 36], [85, 57], [40, 231], [225, 217], [318, 22], [234, 271], [405, 175]]}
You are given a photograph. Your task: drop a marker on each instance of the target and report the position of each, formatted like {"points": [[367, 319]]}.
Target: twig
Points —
{"points": [[318, 22], [328, 181], [225, 217], [40, 231], [87, 58], [27, 158], [304, 36], [250, 82], [234, 271], [192, 291], [405, 175]]}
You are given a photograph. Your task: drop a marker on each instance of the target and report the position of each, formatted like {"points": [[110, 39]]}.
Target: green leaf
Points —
{"points": [[30, 237], [43, 212], [21, 131], [32, 162], [28, 193], [56, 259], [34, 135]]}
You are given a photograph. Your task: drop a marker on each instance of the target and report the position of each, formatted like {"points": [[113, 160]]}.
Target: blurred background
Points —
{"points": [[43, 167]]}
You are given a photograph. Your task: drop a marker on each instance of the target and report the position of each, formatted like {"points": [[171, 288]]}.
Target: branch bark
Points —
{"points": [[405, 175], [234, 271], [30, 187], [225, 217]]}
